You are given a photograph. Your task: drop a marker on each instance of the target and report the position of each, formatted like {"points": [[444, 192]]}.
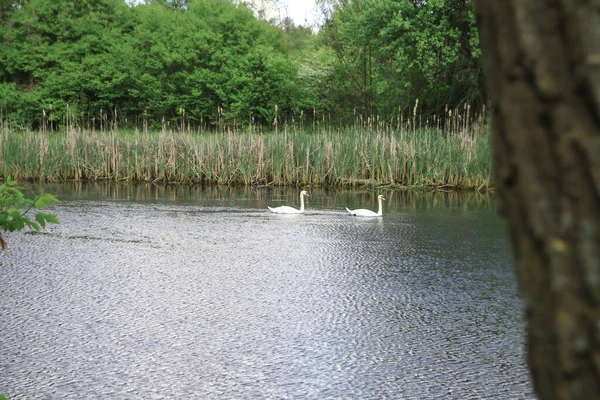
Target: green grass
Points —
{"points": [[354, 155]]}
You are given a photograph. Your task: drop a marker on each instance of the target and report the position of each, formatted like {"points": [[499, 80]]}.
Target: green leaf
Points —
{"points": [[40, 218], [44, 200], [14, 205], [31, 224], [52, 219]]}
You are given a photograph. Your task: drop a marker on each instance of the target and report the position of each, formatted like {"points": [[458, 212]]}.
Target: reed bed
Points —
{"points": [[371, 153], [349, 156]]}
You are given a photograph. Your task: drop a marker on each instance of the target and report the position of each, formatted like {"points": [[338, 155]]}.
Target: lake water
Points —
{"points": [[154, 292]]}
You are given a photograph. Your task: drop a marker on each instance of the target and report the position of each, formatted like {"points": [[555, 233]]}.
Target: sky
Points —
{"points": [[299, 10]]}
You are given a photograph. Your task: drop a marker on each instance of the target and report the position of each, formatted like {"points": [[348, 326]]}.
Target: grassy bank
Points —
{"points": [[355, 155]]}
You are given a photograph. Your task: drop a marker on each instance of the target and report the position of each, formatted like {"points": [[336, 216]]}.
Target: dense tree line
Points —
{"points": [[214, 61], [391, 52]]}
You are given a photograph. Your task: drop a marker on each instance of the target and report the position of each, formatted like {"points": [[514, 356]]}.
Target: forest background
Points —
{"points": [[378, 69]]}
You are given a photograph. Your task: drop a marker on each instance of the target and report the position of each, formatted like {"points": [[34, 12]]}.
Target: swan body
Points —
{"points": [[361, 212], [291, 210]]}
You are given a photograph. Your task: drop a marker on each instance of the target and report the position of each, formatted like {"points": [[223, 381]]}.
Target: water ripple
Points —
{"points": [[150, 300]]}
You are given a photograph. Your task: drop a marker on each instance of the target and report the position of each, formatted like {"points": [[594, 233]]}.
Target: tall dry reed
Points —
{"points": [[448, 151]]}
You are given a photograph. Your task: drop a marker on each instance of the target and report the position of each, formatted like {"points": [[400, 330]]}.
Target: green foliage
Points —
{"points": [[14, 207], [9, 97], [103, 60], [105, 63], [391, 52]]}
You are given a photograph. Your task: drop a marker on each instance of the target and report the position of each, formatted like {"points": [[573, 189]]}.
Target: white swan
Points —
{"points": [[361, 212], [291, 210]]}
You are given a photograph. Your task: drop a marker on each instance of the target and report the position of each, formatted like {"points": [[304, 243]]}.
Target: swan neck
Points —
{"points": [[301, 203], [380, 209]]}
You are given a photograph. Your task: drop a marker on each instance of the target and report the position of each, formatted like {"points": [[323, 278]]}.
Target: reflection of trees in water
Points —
{"points": [[320, 197], [442, 199], [148, 191]]}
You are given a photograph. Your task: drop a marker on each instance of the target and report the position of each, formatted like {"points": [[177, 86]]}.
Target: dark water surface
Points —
{"points": [[148, 292]]}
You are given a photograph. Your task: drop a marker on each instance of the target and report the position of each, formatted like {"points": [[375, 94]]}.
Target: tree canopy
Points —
{"points": [[391, 52], [214, 60]]}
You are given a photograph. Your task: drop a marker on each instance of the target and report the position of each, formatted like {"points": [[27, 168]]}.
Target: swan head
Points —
{"points": [[304, 193], [381, 197]]}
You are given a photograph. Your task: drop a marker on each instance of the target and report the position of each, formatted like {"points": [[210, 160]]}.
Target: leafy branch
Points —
{"points": [[12, 216]]}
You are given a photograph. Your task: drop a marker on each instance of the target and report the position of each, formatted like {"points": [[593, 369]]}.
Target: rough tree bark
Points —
{"points": [[542, 61]]}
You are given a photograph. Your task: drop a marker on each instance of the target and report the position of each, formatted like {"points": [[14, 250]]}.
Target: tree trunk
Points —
{"points": [[542, 63]]}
